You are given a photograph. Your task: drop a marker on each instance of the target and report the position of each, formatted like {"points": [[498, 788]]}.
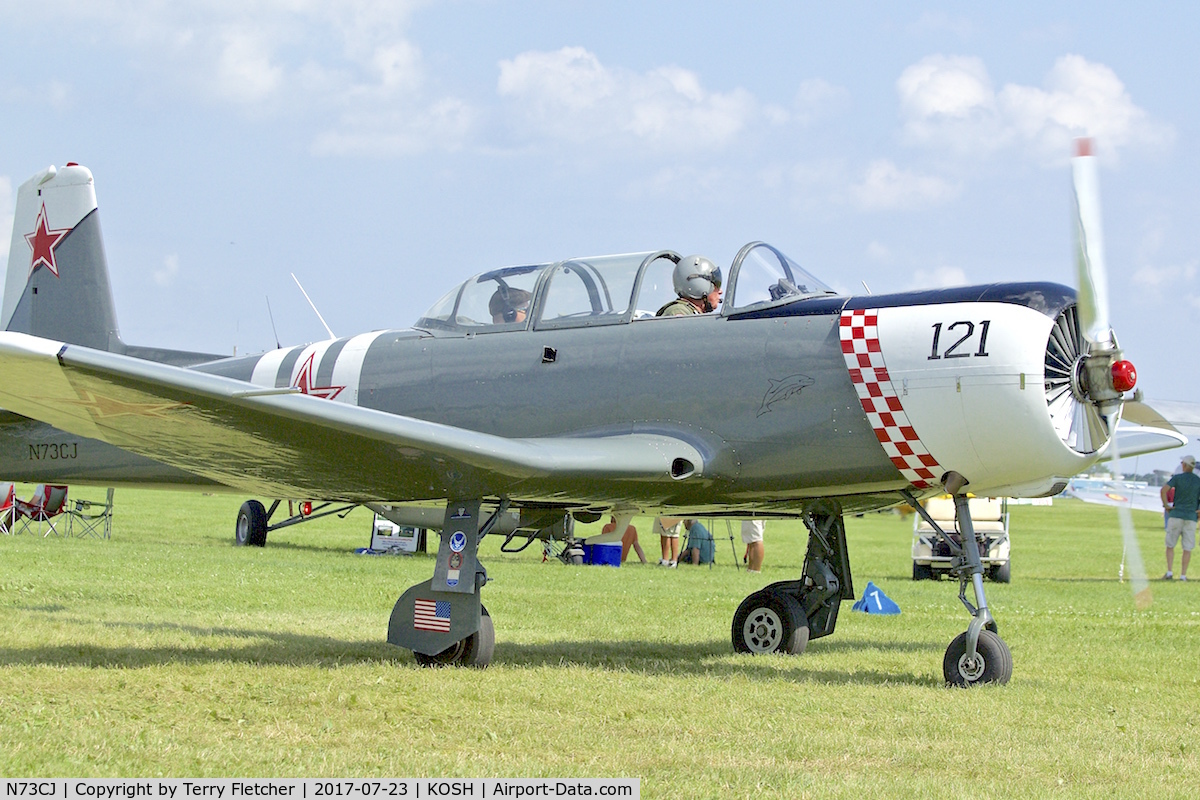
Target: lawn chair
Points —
{"points": [[42, 514], [91, 518], [8, 512]]}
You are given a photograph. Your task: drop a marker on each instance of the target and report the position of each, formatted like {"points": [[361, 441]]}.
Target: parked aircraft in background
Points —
{"points": [[1136, 495], [530, 391]]}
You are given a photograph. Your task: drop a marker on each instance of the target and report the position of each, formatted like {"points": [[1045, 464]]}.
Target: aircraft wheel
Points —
{"points": [[770, 622], [992, 664], [474, 651], [922, 572], [251, 525], [1001, 573]]}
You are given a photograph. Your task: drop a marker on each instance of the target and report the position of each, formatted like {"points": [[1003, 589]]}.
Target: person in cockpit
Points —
{"points": [[698, 284], [509, 305]]}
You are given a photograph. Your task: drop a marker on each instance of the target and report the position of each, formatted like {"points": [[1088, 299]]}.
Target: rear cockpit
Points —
{"points": [[609, 290]]}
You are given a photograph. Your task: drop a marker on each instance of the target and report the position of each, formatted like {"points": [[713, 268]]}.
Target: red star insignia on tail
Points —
{"points": [[304, 381], [43, 241]]}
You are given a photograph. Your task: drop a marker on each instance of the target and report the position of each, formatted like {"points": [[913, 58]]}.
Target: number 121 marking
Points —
{"points": [[953, 350]]}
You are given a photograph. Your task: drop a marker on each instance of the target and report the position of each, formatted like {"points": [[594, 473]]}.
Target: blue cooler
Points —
{"points": [[608, 555]]}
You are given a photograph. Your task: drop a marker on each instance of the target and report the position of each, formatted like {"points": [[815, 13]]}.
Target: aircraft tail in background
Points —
{"points": [[57, 286]]}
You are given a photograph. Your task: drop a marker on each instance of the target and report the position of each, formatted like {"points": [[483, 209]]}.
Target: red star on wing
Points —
{"points": [[304, 380], [43, 241]]}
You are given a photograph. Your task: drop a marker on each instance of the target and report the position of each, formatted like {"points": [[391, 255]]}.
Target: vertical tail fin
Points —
{"points": [[57, 285]]}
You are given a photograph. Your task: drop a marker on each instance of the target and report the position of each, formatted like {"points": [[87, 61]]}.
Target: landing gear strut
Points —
{"points": [[442, 620], [979, 655], [254, 520], [783, 617]]}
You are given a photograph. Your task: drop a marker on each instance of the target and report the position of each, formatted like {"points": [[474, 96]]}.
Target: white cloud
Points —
{"points": [[244, 72], [938, 278], [444, 124], [877, 251], [569, 95], [350, 65], [949, 102], [165, 275], [1168, 276], [885, 186], [570, 78]]}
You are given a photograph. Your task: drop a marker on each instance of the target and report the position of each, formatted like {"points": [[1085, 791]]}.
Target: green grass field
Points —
{"points": [[168, 652]]}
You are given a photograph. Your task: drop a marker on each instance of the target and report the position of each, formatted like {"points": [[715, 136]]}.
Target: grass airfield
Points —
{"points": [[168, 652]]}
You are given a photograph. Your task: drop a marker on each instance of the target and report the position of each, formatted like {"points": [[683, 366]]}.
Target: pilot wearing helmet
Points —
{"points": [[509, 304], [698, 284]]}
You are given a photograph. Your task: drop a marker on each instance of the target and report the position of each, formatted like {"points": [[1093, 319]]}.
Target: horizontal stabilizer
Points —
{"points": [[1182, 416], [1139, 440]]}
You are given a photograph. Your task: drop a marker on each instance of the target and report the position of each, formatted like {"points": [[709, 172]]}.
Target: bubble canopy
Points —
{"points": [[609, 290]]}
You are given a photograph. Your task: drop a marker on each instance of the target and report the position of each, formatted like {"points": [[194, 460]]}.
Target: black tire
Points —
{"points": [[770, 622], [251, 528], [993, 661], [474, 651], [922, 572], [1001, 573]]}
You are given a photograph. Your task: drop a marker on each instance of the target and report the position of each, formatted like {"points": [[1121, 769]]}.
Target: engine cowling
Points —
{"points": [[985, 389]]}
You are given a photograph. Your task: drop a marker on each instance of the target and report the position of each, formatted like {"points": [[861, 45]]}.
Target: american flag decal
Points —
{"points": [[432, 615]]}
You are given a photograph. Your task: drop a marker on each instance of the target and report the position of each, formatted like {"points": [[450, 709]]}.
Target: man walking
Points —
{"points": [[1181, 515]]}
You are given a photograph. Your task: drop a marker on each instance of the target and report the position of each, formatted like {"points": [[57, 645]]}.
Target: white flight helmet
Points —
{"points": [[695, 277]]}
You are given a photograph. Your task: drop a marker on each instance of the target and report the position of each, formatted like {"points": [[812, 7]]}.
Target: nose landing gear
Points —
{"points": [[978, 655]]}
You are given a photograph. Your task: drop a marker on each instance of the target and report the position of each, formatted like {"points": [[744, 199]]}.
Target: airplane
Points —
{"points": [[536, 393], [1136, 495]]}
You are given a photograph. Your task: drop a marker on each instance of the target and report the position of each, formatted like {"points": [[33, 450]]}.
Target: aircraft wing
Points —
{"points": [[278, 443], [1113, 493]]}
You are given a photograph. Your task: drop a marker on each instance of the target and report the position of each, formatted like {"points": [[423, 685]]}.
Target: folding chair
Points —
{"points": [[90, 518], [43, 510], [8, 512]]}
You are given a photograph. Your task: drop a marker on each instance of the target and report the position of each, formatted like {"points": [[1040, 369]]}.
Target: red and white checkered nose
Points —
{"points": [[880, 400]]}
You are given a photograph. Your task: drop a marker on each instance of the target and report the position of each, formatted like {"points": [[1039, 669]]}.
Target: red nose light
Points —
{"points": [[1124, 376], [306, 507]]}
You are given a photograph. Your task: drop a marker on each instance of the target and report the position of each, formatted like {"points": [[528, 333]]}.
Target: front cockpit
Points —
{"points": [[609, 290]]}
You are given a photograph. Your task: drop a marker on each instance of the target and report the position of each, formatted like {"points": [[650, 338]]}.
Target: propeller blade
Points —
{"points": [[1091, 273], [1092, 303], [1142, 596]]}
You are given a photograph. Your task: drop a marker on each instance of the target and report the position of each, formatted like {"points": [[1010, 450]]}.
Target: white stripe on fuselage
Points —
{"points": [[347, 370], [268, 367]]}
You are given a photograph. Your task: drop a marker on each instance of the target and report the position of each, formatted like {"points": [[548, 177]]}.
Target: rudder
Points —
{"points": [[57, 285]]}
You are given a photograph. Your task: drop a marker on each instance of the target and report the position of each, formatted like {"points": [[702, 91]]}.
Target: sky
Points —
{"points": [[385, 150]]}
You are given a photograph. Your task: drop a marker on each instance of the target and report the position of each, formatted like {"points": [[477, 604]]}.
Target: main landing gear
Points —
{"points": [[978, 655], [442, 620], [254, 519], [784, 616]]}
